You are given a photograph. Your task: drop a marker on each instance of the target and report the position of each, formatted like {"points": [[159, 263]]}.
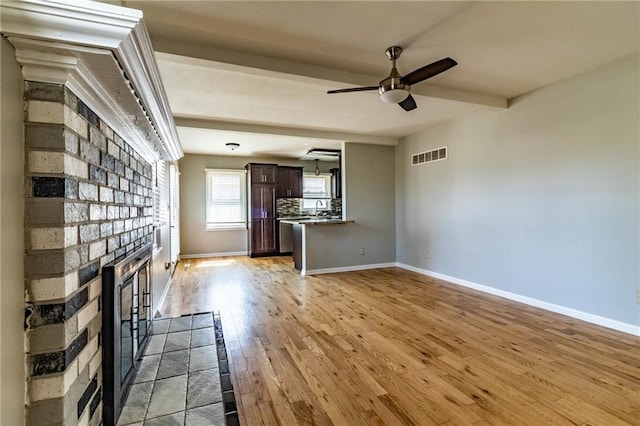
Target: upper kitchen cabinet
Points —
{"points": [[289, 182], [263, 173]]}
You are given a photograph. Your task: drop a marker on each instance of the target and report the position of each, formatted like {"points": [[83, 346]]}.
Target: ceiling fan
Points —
{"points": [[395, 89]]}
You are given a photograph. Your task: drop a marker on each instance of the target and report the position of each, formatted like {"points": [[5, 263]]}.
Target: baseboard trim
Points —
{"points": [[167, 286], [203, 255], [347, 268], [573, 313]]}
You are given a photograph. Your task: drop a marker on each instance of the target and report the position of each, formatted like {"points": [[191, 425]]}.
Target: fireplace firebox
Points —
{"points": [[126, 326]]}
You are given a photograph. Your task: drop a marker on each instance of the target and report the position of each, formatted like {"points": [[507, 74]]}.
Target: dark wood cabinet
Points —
{"points": [[263, 201], [263, 237], [262, 209], [263, 173], [289, 182], [336, 183]]}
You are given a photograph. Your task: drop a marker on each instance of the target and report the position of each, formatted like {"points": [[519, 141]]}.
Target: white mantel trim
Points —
{"points": [[113, 105], [80, 29], [80, 22]]}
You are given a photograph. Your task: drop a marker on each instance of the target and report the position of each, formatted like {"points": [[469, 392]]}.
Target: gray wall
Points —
{"points": [[12, 370], [541, 199], [194, 239], [369, 199]]}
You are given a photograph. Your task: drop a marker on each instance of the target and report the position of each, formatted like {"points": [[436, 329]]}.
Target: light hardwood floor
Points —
{"points": [[390, 346]]}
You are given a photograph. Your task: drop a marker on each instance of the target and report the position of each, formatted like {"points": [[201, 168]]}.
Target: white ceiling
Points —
{"points": [[241, 69]]}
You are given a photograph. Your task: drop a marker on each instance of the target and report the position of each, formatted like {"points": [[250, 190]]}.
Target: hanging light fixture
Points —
{"points": [[317, 171]]}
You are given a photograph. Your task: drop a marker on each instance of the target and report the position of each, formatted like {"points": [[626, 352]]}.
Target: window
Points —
{"points": [[160, 215], [316, 191], [226, 199]]}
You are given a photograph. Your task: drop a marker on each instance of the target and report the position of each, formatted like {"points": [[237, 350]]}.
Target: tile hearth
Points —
{"points": [[183, 378]]}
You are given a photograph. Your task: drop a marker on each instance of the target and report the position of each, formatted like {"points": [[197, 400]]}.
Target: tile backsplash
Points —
{"points": [[287, 207]]}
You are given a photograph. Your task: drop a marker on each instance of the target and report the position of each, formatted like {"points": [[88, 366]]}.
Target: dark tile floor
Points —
{"points": [[179, 379]]}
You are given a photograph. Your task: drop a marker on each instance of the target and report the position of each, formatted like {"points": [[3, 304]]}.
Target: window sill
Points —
{"points": [[234, 228]]}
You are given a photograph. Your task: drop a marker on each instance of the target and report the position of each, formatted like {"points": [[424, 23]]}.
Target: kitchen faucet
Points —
{"points": [[318, 204]]}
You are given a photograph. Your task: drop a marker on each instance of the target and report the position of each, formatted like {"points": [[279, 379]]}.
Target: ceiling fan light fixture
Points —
{"points": [[393, 96], [395, 89]]}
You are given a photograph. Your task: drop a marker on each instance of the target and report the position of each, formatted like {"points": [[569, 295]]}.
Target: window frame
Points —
{"points": [[326, 198], [226, 226]]}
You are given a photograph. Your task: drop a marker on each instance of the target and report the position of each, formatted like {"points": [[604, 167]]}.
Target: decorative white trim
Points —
{"points": [[74, 21], [136, 56], [573, 313], [104, 54], [347, 268], [114, 104], [203, 255]]}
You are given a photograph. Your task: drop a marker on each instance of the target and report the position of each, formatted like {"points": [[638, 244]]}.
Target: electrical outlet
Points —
{"points": [[638, 296], [361, 252], [426, 254]]}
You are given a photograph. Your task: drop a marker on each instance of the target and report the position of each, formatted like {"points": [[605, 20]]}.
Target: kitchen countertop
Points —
{"points": [[315, 221]]}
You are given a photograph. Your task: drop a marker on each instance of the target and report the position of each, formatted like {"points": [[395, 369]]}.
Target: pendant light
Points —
{"points": [[317, 171]]}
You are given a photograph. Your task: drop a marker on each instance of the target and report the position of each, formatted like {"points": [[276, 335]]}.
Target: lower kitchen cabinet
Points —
{"points": [[263, 236]]}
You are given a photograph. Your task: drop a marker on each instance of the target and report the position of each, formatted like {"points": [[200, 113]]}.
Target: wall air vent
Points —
{"points": [[429, 156], [325, 152]]}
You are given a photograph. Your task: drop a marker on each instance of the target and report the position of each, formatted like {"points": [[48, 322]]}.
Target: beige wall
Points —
{"points": [[12, 371], [369, 200], [194, 239], [541, 200]]}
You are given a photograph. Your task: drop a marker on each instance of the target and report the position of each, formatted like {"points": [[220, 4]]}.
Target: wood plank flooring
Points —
{"points": [[394, 347]]}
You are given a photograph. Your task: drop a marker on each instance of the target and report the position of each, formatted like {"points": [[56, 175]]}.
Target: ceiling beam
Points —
{"points": [[257, 64], [199, 123]]}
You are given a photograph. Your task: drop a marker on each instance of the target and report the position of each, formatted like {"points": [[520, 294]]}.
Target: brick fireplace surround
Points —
{"points": [[88, 201], [92, 121]]}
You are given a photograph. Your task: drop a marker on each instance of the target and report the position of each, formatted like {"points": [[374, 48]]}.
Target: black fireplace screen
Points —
{"points": [[126, 326]]}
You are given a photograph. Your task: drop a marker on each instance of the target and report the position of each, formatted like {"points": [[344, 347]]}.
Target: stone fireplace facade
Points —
{"points": [[88, 201], [84, 119]]}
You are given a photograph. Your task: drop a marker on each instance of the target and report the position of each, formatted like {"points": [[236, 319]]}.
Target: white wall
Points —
{"points": [[541, 200], [12, 370], [194, 239], [369, 200]]}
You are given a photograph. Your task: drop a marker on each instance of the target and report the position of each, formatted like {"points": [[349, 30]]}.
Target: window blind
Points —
{"points": [[226, 206]]}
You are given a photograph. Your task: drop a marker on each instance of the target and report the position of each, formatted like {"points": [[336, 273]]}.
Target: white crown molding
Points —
{"points": [[104, 54], [76, 21]]}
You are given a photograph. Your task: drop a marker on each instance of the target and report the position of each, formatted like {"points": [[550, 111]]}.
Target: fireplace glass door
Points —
{"points": [[126, 326], [144, 304], [126, 332]]}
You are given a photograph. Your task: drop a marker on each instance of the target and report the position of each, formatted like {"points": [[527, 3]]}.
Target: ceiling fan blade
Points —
{"points": [[408, 104], [353, 89], [429, 71]]}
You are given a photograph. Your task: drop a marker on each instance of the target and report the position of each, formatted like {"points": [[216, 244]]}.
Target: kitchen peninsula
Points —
{"points": [[304, 254]]}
